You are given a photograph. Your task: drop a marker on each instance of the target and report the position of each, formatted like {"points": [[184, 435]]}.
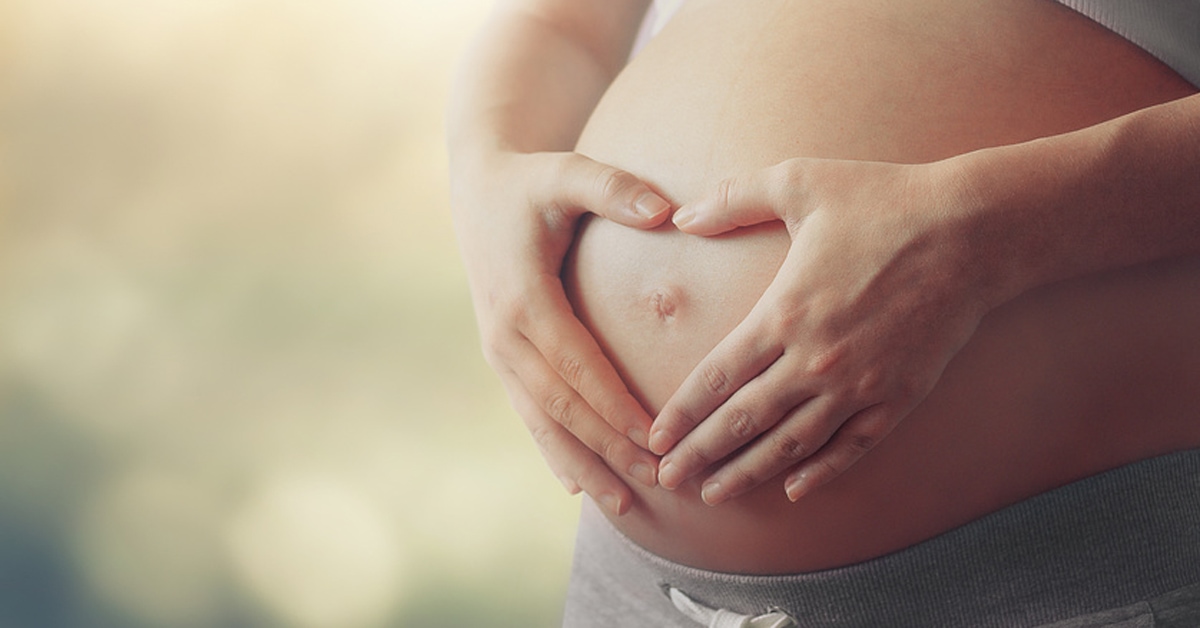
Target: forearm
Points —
{"points": [[535, 73], [1116, 194]]}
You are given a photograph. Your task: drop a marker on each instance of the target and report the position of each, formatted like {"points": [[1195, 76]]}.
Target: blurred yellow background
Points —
{"points": [[241, 382]]}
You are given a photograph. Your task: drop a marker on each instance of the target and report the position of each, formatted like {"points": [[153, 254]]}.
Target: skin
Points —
{"points": [[811, 416], [517, 192], [890, 259], [1111, 195]]}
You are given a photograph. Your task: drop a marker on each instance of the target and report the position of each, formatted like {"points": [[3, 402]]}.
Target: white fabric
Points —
{"points": [[656, 18], [722, 618], [1167, 29], [663, 10]]}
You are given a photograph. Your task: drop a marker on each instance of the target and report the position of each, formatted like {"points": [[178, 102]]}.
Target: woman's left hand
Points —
{"points": [[881, 287]]}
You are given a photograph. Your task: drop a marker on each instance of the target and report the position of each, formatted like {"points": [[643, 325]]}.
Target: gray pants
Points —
{"points": [[1117, 549]]}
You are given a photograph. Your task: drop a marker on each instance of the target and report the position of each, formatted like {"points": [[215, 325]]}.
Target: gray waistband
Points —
{"points": [[1113, 539]]}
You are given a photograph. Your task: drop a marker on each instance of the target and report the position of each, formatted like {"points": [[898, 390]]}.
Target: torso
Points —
{"points": [[1060, 384]]}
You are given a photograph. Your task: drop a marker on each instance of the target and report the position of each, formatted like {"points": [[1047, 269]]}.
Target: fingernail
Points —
{"points": [[797, 486], [611, 503], [683, 217], [711, 493], [650, 205], [638, 436], [658, 442], [643, 472], [668, 476]]}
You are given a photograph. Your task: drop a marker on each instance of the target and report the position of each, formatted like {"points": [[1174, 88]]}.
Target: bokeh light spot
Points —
{"points": [[317, 553], [150, 546]]}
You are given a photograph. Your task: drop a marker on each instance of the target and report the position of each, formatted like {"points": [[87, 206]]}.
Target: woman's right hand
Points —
{"points": [[515, 217]]}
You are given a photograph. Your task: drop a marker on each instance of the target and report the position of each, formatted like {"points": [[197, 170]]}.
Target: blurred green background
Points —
{"points": [[240, 382]]}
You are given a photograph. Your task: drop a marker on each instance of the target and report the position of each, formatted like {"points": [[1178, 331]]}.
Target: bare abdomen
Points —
{"points": [[1057, 385]]}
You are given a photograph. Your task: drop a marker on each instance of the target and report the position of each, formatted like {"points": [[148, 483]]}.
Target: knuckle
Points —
{"points": [[783, 321], [559, 171], [514, 312], [789, 447], [725, 192], [611, 449], [715, 379], [781, 180], [493, 354], [589, 478], [543, 437], [570, 369], [557, 217], [827, 469], [684, 419], [612, 183], [790, 173], [870, 384], [826, 361], [860, 442], [739, 477], [493, 297], [562, 407], [741, 423], [778, 181], [696, 456], [913, 386], [557, 168], [498, 351]]}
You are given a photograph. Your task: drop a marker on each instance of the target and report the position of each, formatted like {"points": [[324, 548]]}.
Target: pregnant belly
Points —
{"points": [[1060, 384]]}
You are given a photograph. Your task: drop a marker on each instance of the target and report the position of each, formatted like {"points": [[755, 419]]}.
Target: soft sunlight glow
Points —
{"points": [[240, 383], [150, 543], [317, 553]]}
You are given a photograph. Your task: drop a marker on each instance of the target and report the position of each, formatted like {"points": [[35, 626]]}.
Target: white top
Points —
{"points": [[1167, 29]]}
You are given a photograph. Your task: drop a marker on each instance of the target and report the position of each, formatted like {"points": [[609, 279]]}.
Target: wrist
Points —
{"points": [[475, 156], [968, 229], [999, 197], [475, 171]]}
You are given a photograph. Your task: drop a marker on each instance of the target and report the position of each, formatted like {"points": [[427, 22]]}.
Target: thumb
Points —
{"points": [[739, 201], [582, 185]]}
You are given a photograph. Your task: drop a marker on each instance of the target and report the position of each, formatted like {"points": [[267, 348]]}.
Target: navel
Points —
{"points": [[665, 302]]}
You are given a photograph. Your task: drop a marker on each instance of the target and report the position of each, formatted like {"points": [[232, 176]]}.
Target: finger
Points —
{"points": [[742, 201], [575, 466], [752, 410], [802, 432], [564, 405], [578, 184], [741, 356], [573, 353], [859, 435]]}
